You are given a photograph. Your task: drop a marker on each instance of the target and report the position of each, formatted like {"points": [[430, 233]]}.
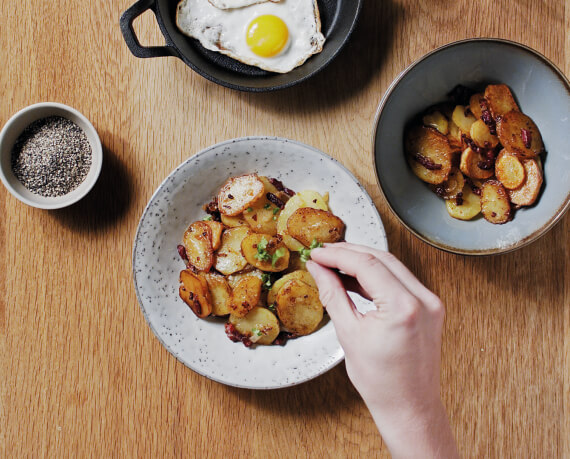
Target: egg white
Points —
{"points": [[229, 4], [224, 31]]}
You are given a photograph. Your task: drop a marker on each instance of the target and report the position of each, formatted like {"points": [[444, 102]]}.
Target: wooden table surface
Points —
{"points": [[83, 375]]}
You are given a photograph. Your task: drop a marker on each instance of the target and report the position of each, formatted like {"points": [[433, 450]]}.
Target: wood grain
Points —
{"points": [[83, 375]]}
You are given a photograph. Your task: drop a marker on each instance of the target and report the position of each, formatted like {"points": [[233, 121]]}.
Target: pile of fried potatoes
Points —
{"points": [[245, 261], [481, 157]]}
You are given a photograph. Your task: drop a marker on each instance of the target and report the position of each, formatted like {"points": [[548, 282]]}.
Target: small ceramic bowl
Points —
{"points": [[12, 130], [543, 93]]}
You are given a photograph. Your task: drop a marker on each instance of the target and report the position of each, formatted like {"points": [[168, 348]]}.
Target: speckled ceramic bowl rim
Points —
{"points": [[523, 242], [96, 154], [165, 183]]}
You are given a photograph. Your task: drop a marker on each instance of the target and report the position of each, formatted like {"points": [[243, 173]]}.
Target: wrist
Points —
{"points": [[417, 432]]}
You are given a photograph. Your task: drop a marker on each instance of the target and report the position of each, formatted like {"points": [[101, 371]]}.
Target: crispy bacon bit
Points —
{"points": [[427, 162], [230, 196], [459, 198], [283, 337], [440, 191], [182, 252], [476, 190], [487, 117], [275, 200], [486, 165], [280, 187], [469, 142], [526, 137], [212, 209], [236, 336]]}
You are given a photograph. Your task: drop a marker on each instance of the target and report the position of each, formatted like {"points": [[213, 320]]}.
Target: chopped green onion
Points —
{"points": [[207, 218], [266, 281], [280, 252], [262, 254], [305, 254]]}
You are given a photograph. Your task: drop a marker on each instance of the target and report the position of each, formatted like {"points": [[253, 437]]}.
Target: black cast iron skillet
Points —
{"points": [[338, 18]]}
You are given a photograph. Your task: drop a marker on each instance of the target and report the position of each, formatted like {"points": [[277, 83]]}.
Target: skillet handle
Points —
{"points": [[130, 37]]}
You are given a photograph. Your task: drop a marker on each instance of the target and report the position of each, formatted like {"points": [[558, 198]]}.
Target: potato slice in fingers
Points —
{"points": [[308, 225], [519, 135], [451, 187], [245, 296], [475, 104], [481, 135], [466, 208], [217, 229], [265, 252], [495, 203], [195, 293], [238, 193], [500, 100], [298, 307], [229, 258], [509, 170], [219, 293], [429, 154], [470, 165], [463, 118], [197, 241], [526, 194], [301, 275], [259, 325]]}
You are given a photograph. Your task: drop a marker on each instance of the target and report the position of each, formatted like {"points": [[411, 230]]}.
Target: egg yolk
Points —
{"points": [[267, 35]]}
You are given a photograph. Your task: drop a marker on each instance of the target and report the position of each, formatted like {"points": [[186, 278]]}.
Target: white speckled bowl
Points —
{"points": [[202, 344], [543, 93], [12, 130]]}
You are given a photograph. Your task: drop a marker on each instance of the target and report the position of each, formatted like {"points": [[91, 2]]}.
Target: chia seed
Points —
{"points": [[52, 156]]}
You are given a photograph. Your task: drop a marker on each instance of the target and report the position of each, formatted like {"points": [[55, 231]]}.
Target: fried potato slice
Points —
{"points": [[519, 135], [238, 193], [454, 136], [452, 186], [232, 222], [500, 100], [245, 296], [429, 154], [301, 275], [481, 135], [260, 325], [463, 118], [469, 208], [195, 293], [306, 198], [526, 194], [229, 258], [265, 252], [469, 165], [234, 279], [262, 215], [219, 293], [475, 105], [197, 241], [217, 229], [495, 203], [436, 120], [307, 225], [509, 170], [298, 307]]}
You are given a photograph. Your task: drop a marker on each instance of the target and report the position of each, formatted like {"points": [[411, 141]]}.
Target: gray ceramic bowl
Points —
{"points": [[543, 93]]}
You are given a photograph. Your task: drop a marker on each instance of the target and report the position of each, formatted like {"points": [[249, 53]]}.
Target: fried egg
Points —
{"points": [[274, 36], [229, 4]]}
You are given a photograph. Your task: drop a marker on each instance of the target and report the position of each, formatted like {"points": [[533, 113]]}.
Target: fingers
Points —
{"points": [[398, 269], [333, 295], [374, 277]]}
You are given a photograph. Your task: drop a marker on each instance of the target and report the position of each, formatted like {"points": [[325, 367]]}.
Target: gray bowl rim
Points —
{"points": [[559, 214]]}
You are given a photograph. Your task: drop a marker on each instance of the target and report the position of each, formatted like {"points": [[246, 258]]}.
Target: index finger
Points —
{"points": [[374, 277]]}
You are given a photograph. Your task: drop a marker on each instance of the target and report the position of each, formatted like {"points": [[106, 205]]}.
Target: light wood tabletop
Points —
{"points": [[82, 373]]}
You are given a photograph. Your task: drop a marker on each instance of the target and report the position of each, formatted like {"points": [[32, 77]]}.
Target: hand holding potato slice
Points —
{"points": [[195, 293]]}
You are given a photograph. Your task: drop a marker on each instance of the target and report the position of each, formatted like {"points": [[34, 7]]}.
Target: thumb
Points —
{"points": [[334, 297]]}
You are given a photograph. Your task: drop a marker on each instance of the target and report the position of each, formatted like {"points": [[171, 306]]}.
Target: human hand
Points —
{"points": [[392, 354]]}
